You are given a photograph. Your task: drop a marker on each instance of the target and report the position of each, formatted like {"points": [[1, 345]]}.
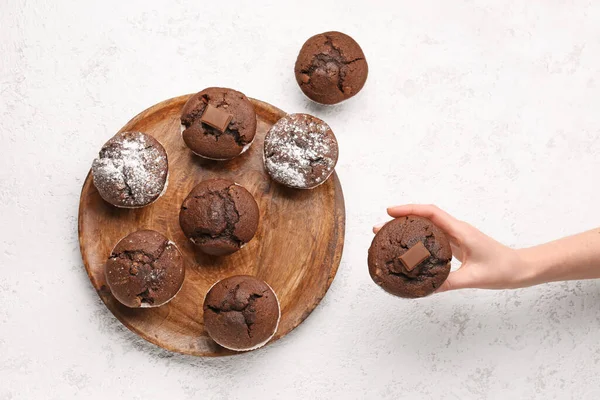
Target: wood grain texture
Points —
{"points": [[297, 248]]}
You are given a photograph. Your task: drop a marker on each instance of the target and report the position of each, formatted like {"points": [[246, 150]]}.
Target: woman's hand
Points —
{"points": [[486, 263]]}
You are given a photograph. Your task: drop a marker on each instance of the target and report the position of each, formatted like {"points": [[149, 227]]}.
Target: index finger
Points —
{"points": [[442, 219]]}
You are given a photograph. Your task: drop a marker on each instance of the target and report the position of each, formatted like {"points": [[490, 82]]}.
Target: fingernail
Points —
{"points": [[378, 226]]}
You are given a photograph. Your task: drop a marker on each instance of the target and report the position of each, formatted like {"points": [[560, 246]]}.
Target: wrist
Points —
{"points": [[530, 266]]}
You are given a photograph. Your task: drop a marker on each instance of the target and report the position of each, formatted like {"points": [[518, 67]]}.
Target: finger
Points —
{"points": [[456, 251], [458, 279], [377, 227], [445, 221]]}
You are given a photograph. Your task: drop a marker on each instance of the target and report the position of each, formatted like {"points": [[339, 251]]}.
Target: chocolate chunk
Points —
{"points": [[415, 256], [216, 118]]}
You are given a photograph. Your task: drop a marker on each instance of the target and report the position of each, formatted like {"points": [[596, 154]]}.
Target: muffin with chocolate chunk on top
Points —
{"points": [[218, 123], [410, 257]]}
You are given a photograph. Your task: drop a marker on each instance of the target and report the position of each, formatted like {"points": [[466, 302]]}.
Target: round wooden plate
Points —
{"points": [[296, 250]]}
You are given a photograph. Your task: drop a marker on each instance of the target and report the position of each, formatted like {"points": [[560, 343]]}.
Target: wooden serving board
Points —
{"points": [[296, 250]]}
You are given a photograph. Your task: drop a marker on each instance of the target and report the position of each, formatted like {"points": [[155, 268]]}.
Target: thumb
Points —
{"points": [[458, 279]]}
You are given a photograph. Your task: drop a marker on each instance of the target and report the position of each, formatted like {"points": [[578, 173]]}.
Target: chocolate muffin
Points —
{"points": [[219, 216], [218, 123], [331, 67], [145, 269], [300, 151], [241, 313], [410, 257], [131, 170]]}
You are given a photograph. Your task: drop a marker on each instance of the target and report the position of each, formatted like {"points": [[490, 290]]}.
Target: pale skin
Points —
{"points": [[488, 264]]}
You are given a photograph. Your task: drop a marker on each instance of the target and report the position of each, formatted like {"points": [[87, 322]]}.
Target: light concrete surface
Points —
{"points": [[489, 109]]}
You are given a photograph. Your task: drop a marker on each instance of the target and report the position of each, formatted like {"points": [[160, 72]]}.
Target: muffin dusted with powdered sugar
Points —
{"points": [[300, 151], [131, 170]]}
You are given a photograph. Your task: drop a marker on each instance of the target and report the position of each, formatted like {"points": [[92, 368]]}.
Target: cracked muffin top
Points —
{"points": [[396, 238], [300, 151], [233, 133], [241, 313], [219, 216], [331, 67], [144, 269], [131, 170]]}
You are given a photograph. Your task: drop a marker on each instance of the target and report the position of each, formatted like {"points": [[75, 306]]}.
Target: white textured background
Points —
{"points": [[489, 109]]}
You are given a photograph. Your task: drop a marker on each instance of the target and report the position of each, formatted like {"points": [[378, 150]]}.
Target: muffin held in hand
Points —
{"points": [[331, 68], [410, 257], [145, 269], [218, 123], [219, 216], [241, 313], [131, 170], [300, 151]]}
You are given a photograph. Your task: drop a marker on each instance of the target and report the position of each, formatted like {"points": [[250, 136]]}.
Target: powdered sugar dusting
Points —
{"points": [[300, 151], [130, 170]]}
